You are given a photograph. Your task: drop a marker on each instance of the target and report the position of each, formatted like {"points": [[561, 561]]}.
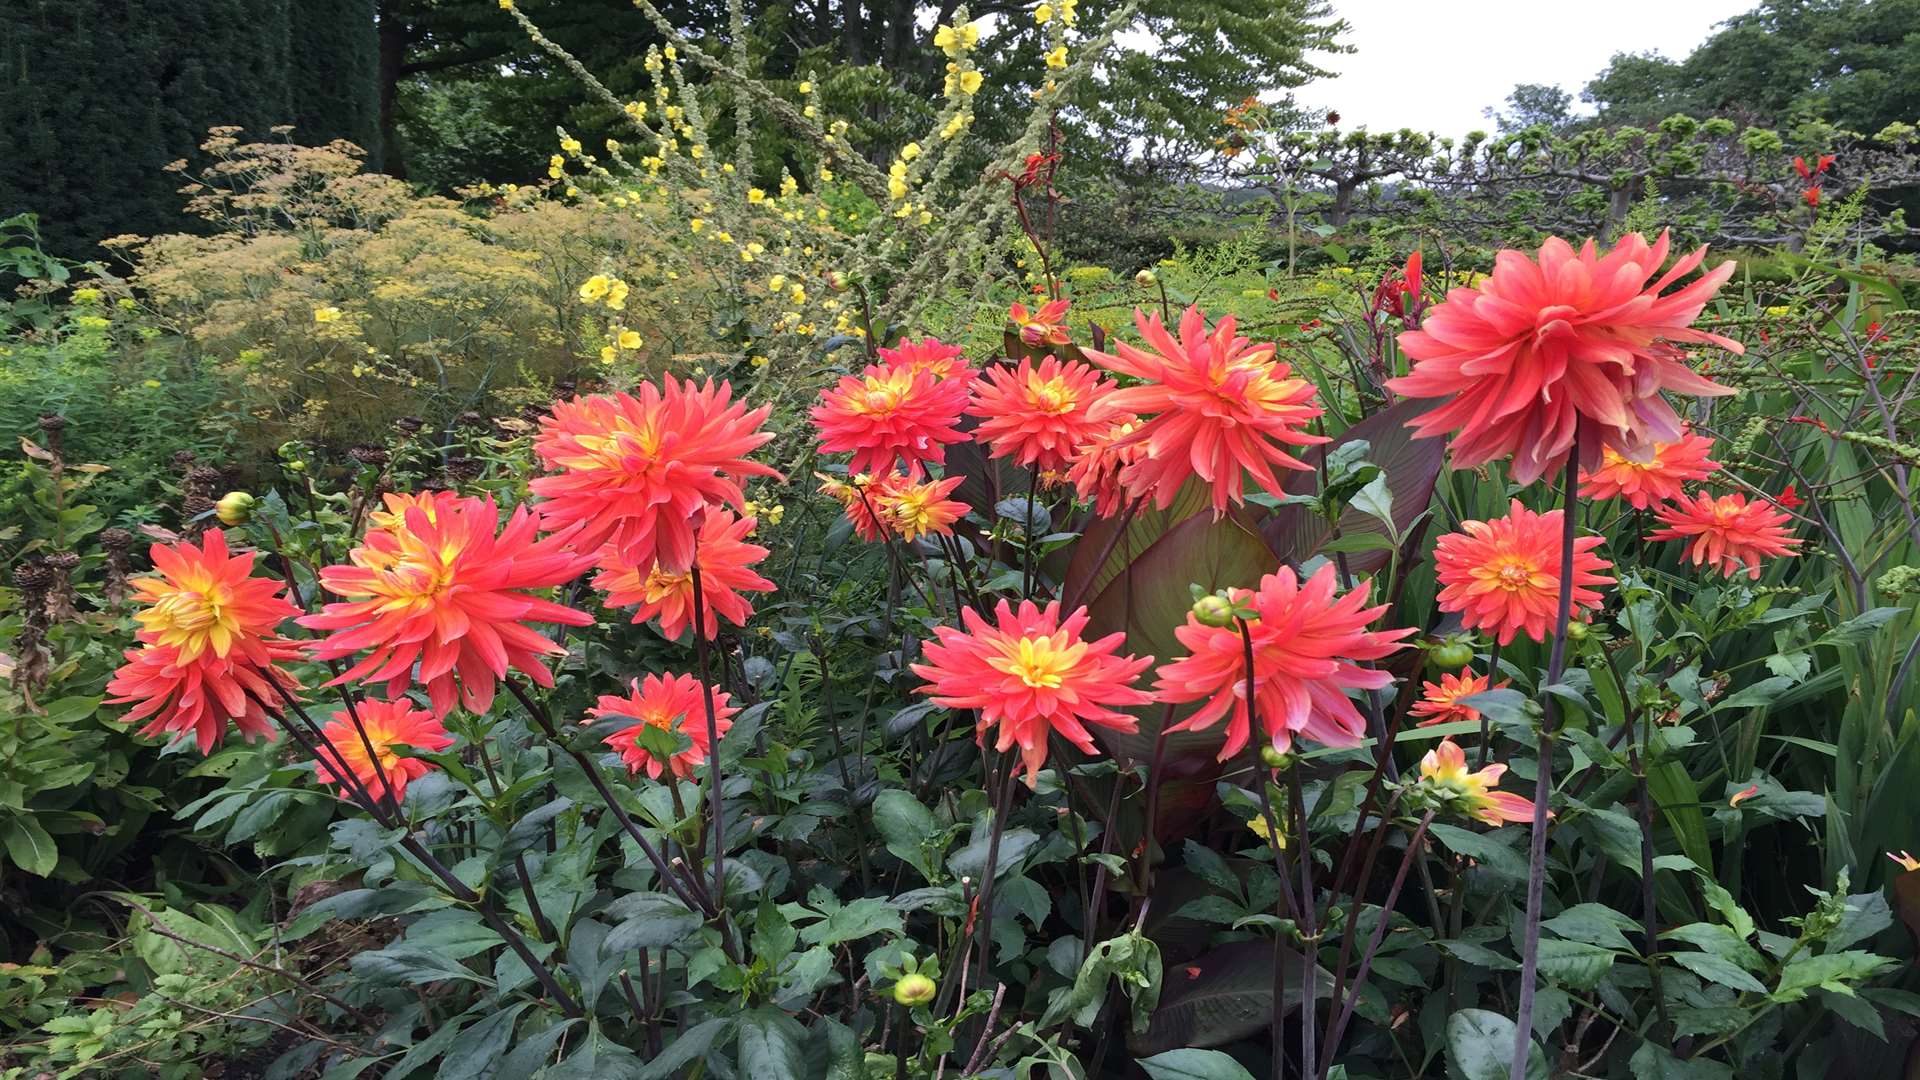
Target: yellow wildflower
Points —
{"points": [[594, 288], [326, 314], [629, 339], [970, 81], [1043, 14], [1057, 58], [697, 224], [755, 195]]}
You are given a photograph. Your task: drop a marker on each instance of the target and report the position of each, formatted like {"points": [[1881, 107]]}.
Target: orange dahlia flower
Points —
{"points": [[208, 645], [206, 600], [917, 509], [889, 414], [1100, 461], [725, 560], [1444, 775], [1038, 415], [388, 724], [670, 703], [204, 695], [1658, 479], [443, 592], [929, 354], [638, 472], [1503, 576], [1541, 347], [1305, 641], [869, 522], [1029, 673], [1728, 531], [1441, 702], [1225, 406], [1046, 326]]}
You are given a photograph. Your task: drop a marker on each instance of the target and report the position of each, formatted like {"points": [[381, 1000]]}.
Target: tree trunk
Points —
{"points": [[394, 37]]}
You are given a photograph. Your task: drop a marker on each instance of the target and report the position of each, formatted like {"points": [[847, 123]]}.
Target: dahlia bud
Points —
{"points": [[1145, 279], [1275, 758], [836, 281], [234, 508], [1213, 610], [914, 990]]}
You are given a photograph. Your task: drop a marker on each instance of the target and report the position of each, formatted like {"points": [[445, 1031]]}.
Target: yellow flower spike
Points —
{"points": [[1057, 58], [970, 82]]}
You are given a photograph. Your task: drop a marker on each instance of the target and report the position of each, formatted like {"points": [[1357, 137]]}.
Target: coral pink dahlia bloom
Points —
{"points": [[1660, 478], [1028, 673], [889, 414], [1544, 346], [1038, 414], [670, 703], [1503, 576], [386, 723], [726, 564], [1223, 407], [443, 593], [1306, 639], [638, 472], [1727, 532]]}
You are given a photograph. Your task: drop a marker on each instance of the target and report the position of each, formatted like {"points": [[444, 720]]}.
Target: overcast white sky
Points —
{"points": [[1433, 66]]}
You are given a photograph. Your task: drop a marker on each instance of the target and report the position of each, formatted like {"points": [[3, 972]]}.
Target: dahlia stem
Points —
{"points": [[1309, 936], [667, 877], [983, 924], [1294, 906], [1486, 725], [425, 857], [1379, 934], [715, 799], [1543, 782]]}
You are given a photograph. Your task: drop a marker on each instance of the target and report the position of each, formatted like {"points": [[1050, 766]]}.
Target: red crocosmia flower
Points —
{"points": [[202, 696], [387, 723], [916, 509], [1099, 462], [1046, 326], [869, 521], [1543, 347], [443, 592], [725, 560], [670, 703], [205, 600], [889, 414], [1503, 576], [1656, 480], [1028, 673], [1306, 640], [1800, 166], [1441, 702], [1744, 794], [929, 354], [1038, 414], [1443, 772], [637, 472], [1225, 407], [1812, 195], [1727, 531], [1789, 498], [1826, 160]]}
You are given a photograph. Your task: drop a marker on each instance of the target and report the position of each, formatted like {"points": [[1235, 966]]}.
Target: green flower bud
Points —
{"points": [[1213, 610], [1273, 758], [234, 508], [914, 990], [1145, 279]]}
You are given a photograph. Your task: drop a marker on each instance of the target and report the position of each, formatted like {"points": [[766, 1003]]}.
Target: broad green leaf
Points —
{"points": [[1575, 964], [770, 1044], [1595, 924], [1480, 1047], [28, 846], [1193, 1064], [477, 1055], [1836, 972], [908, 829], [1718, 969], [681, 1052]]}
